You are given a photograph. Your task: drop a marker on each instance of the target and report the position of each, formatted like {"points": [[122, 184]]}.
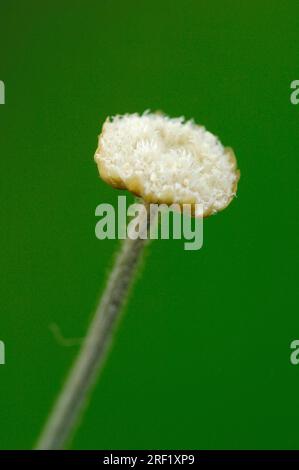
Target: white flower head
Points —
{"points": [[167, 160]]}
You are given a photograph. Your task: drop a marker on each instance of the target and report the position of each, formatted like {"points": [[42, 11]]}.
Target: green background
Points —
{"points": [[202, 355]]}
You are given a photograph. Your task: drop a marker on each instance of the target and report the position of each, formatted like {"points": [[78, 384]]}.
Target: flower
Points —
{"points": [[167, 160]]}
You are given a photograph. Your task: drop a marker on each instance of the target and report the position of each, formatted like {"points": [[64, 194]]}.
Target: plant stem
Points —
{"points": [[91, 357]]}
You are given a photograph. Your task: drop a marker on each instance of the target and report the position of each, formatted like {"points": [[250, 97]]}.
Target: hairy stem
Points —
{"points": [[91, 357]]}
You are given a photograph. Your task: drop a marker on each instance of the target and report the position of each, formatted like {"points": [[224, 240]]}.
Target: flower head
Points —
{"points": [[167, 160]]}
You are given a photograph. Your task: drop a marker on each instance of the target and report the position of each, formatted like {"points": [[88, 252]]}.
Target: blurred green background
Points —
{"points": [[202, 355]]}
